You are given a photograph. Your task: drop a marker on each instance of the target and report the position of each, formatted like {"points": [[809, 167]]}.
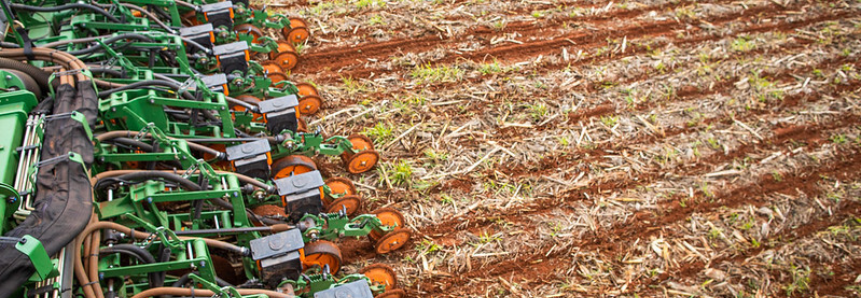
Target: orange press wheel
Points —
{"points": [[309, 105], [306, 89], [388, 217], [360, 142], [285, 55], [273, 71], [322, 252], [392, 241], [351, 203], [298, 31], [250, 99], [271, 66], [339, 187], [296, 164], [362, 162], [250, 29], [393, 293], [381, 275]]}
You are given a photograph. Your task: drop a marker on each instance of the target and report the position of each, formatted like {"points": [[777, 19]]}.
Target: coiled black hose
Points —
{"points": [[155, 279], [40, 76]]}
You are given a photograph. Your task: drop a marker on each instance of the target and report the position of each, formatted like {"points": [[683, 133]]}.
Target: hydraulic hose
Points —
{"points": [[186, 4], [93, 289], [140, 84], [29, 82], [41, 77], [111, 40], [6, 44], [93, 8], [185, 278], [199, 292], [134, 143], [246, 105], [146, 175], [241, 177], [50, 55], [144, 12], [132, 134], [138, 253]]}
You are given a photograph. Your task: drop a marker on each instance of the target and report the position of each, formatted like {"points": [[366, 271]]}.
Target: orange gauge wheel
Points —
{"points": [[351, 204], [392, 241], [362, 162], [309, 105], [298, 31], [339, 187], [388, 217], [285, 56], [306, 89], [250, 29], [296, 164], [360, 142], [322, 252], [274, 71], [380, 274]]}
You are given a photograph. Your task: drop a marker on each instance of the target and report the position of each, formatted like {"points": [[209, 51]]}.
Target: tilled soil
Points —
{"points": [[601, 148]]}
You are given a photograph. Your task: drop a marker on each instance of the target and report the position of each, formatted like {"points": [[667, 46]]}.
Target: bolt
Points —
{"points": [[236, 194], [149, 200], [8, 77], [202, 264]]}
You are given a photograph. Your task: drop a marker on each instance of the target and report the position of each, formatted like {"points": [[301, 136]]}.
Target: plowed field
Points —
{"points": [[602, 148]]}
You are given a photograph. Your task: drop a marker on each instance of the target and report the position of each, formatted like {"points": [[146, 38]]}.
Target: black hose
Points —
{"points": [[6, 44], [145, 175], [134, 143], [112, 72], [140, 84], [179, 283], [111, 40], [138, 253], [40, 76], [64, 7], [29, 82]]}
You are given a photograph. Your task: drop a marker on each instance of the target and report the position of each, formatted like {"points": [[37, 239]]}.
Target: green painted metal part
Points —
{"points": [[33, 249], [15, 104], [331, 226]]}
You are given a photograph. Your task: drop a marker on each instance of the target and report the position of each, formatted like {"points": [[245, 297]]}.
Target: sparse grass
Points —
{"points": [[800, 280], [401, 173], [376, 20], [430, 74], [490, 68], [352, 86], [537, 110], [380, 133], [362, 4], [743, 44], [609, 121]]}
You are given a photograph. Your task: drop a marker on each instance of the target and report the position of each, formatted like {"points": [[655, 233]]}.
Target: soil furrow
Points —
{"points": [[335, 59], [614, 240]]}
